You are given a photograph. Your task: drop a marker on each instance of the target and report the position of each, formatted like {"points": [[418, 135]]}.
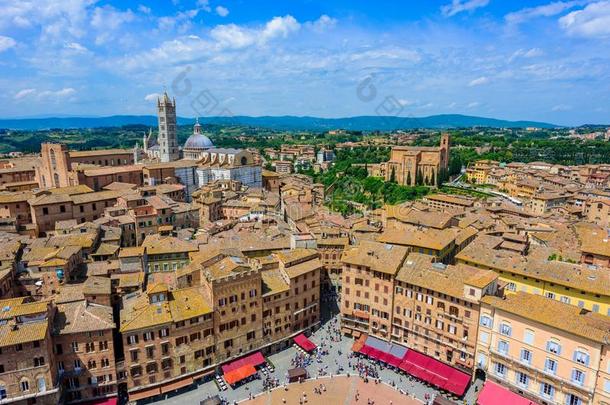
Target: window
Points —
{"points": [[486, 321], [564, 299], [500, 369], [547, 390], [595, 308], [526, 356], [25, 385], [553, 347], [132, 340], [550, 366], [511, 287], [578, 376], [581, 357], [550, 295], [2, 392], [528, 337], [572, 399], [522, 379], [74, 346], [503, 347], [505, 329], [607, 386]]}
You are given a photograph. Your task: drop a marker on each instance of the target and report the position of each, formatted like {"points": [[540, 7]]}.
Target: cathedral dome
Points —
{"points": [[198, 141]]}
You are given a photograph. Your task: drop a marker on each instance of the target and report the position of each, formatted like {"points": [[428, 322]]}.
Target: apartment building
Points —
{"points": [[439, 243], [597, 211], [436, 308], [84, 350], [367, 281], [443, 201], [331, 250], [28, 372], [49, 208], [167, 253], [167, 339], [576, 284], [302, 268], [545, 350], [234, 288]]}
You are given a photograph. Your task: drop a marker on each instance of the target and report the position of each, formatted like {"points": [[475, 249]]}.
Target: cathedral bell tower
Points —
{"points": [[168, 144]]}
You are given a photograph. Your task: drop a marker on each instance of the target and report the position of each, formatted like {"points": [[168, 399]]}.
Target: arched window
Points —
{"points": [[244, 160], [53, 159], [56, 179], [24, 384]]}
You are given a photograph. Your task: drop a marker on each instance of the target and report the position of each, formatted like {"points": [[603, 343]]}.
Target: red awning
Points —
{"points": [[255, 359], [492, 394], [305, 343], [239, 374], [394, 361], [366, 349], [435, 372]]}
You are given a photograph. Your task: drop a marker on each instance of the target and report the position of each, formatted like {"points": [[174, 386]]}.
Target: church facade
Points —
{"points": [[415, 165]]}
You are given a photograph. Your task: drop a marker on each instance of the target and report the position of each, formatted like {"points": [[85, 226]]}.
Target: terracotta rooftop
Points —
{"points": [[565, 317], [381, 257]]}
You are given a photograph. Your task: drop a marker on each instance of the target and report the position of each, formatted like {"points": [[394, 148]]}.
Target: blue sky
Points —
{"points": [[538, 60]]}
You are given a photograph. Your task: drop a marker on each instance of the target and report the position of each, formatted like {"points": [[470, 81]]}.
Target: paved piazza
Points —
{"points": [[339, 390]]}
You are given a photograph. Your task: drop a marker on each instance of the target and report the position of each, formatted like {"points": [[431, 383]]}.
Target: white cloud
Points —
{"points": [[232, 36], [23, 93], [592, 21], [204, 5], [473, 104], [222, 11], [280, 27], [6, 43], [75, 46], [152, 97], [458, 6], [526, 53], [561, 107], [546, 10], [47, 94], [181, 21], [107, 20], [235, 36], [143, 9], [479, 81], [323, 23]]}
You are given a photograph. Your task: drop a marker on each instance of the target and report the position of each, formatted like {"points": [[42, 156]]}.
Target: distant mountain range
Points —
{"points": [[359, 123]]}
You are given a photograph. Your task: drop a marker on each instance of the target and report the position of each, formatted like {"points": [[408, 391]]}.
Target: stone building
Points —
{"points": [[28, 373], [410, 165], [167, 338], [229, 164], [84, 350]]}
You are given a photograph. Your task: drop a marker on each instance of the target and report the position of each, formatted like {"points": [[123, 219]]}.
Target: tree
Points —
{"points": [[419, 179]]}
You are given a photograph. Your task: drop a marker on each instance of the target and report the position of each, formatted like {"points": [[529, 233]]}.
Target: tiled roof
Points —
{"points": [[565, 317], [139, 313], [436, 239], [377, 256], [80, 316]]}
